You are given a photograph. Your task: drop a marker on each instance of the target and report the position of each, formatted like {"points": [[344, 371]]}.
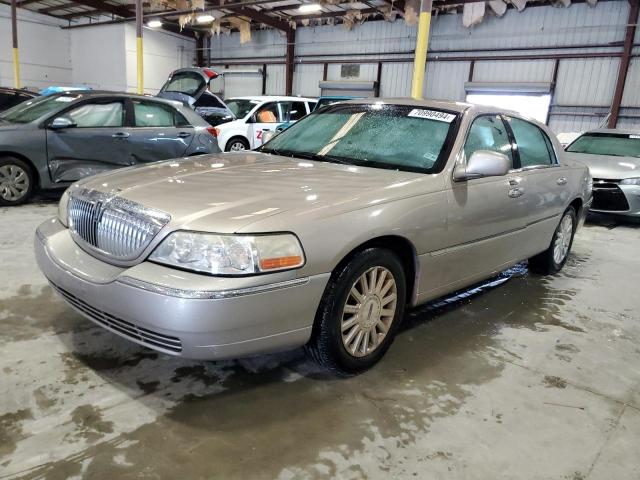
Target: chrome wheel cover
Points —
{"points": [[14, 182], [368, 312], [237, 147], [563, 239]]}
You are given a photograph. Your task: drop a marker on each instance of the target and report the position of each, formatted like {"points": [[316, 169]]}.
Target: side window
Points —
{"points": [[532, 144], [312, 106], [92, 115], [293, 111], [151, 114], [5, 100], [268, 114], [488, 132]]}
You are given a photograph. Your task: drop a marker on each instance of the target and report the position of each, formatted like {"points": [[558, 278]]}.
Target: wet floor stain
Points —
{"points": [[11, 431], [554, 382], [89, 424]]}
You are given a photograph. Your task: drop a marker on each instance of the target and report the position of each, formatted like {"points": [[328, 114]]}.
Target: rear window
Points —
{"points": [[188, 83], [614, 144]]}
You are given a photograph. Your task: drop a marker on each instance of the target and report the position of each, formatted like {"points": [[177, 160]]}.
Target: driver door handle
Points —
{"points": [[184, 134], [120, 135]]}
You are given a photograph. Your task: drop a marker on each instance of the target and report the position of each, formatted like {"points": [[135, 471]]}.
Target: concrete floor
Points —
{"points": [[528, 377]]}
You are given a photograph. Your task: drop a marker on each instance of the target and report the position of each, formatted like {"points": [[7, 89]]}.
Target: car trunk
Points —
{"points": [[190, 86]]}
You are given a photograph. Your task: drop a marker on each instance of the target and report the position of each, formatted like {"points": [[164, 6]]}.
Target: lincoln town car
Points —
{"points": [[322, 237]]}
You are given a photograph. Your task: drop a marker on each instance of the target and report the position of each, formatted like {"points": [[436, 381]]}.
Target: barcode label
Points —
{"points": [[432, 115]]}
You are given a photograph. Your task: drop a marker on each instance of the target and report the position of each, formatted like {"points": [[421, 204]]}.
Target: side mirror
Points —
{"points": [[62, 122], [483, 163]]}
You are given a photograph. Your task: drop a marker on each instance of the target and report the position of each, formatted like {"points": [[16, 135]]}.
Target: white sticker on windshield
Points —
{"points": [[432, 115], [65, 99]]}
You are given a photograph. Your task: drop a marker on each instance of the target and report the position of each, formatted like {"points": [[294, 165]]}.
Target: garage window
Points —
{"points": [[92, 115]]}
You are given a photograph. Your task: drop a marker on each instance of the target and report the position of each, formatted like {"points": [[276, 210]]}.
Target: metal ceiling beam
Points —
{"points": [[260, 17], [104, 7], [623, 70], [340, 13]]}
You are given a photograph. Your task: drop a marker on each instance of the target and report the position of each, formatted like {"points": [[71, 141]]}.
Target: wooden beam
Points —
{"points": [[623, 69]]}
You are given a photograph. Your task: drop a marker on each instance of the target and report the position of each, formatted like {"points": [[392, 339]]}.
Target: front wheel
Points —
{"points": [[237, 144], [16, 181], [553, 258], [359, 313]]}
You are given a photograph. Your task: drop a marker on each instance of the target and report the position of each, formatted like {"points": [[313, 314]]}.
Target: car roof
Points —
{"points": [[84, 94], [18, 90], [273, 98], [620, 131]]}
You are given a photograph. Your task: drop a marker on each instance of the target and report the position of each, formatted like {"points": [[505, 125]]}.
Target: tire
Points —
{"points": [[236, 144], [340, 314], [553, 258], [17, 181]]}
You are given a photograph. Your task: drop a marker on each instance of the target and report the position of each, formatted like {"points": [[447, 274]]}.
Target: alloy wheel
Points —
{"points": [[14, 182], [563, 239], [369, 311], [237, 147]]}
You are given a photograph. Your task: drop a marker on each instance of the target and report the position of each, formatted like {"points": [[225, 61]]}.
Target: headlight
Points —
{"points": [[62, 208], [230, 254], [630, 181]]}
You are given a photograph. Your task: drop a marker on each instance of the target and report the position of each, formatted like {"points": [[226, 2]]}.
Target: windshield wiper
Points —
{"points": [[306, 156]]}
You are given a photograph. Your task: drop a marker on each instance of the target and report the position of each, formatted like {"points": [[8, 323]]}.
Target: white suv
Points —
{"points": [[255, 115]]}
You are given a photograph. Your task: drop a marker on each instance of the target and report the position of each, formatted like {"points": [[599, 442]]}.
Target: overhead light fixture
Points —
{"points": [[205, 18], [154, 24], [309, 7]]}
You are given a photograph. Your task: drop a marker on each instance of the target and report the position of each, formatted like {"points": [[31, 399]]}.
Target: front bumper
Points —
{"points": [[181, 313], [616, 199]]}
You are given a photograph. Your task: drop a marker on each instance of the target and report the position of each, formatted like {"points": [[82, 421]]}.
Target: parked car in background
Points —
{"points": [[49, 142], [613, 158], [10, 97], [259, 114], [321, 237], [190, 86], [330, 100]]}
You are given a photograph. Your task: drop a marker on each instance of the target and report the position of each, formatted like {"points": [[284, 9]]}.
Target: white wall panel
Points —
{"points": [[44, 50], [589, 81], [513, 71], [275, 80], [631, 96], [396, 79], [93, 64], [445, 80], [306, 80]]}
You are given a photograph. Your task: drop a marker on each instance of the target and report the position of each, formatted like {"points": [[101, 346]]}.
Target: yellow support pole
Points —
{"points": [[422, 43], [16, 68], [14, 39], [140, 66], [139, 56]]}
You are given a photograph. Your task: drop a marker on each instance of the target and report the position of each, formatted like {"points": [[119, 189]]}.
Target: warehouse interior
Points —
{"points": [[516, 376]]}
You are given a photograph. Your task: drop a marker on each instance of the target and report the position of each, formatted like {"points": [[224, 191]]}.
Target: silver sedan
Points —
{"points": [[613, 157], [322, 237]]}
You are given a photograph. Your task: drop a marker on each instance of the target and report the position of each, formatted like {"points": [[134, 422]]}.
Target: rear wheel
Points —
{"points": [[237, 144], [553, 258], [360, 312], [16, 181]]}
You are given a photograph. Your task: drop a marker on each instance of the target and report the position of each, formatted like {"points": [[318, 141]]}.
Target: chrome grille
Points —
{"points": [[111, 225]]}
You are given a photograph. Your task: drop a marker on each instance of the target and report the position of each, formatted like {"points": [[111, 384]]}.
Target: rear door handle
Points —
{"points": [[184, 134], [120, 135], [561, 181]]}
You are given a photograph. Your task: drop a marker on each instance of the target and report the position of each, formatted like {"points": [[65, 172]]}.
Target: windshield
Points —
{"points": [[613, 144], [240, 107], [188, 83], [398, 137], [31, 110]]}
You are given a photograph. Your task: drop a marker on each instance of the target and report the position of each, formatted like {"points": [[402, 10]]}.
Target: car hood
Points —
{"points": [[608, 166], [226, 192]]}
